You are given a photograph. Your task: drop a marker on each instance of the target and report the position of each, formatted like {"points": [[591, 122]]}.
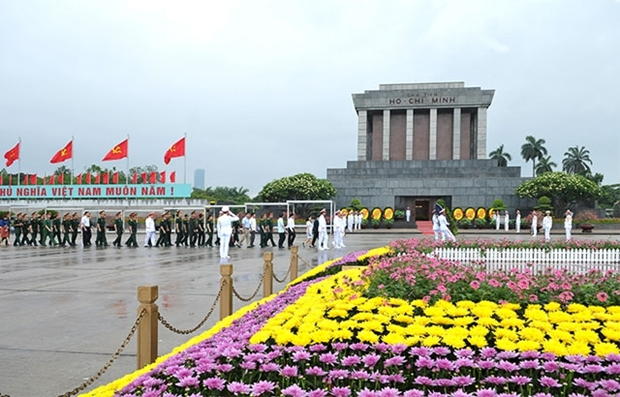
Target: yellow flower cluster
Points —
{"points": [[332, 311]]}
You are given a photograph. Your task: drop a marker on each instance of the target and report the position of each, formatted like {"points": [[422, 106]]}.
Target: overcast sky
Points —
{"points": [[263, 88]]}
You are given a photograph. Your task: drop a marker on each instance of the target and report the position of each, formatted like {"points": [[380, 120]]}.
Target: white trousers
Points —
{"points": [[323, 240], [224, 242], [150, 236]]}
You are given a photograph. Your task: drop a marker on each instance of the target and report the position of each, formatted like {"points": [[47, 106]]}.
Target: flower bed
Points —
{"points": [[405, 325]]}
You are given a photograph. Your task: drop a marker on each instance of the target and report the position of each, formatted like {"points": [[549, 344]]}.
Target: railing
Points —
{"points": [[535, 260], [149, 317]]}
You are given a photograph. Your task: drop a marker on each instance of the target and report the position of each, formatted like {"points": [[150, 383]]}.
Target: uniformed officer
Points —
{"points": [[118, 228], [66, 230], [200, 226], [133, 230], [75, 226], [17, 229], [46, 230], [178, 228], [209, 230], [25, 230], [56, 226], [101, 240]]}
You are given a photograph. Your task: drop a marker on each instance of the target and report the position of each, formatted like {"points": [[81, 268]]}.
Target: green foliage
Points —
{"points": [[502, 157], [563, 189], [375, 222], [576, 161], [610, 196], [356, 204], [544, 204], [498, 204], [223, 195], [399, 214], [464, 222], [298, 187], [533, 149]]}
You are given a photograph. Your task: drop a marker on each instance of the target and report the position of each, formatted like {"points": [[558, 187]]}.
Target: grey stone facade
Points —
{"points": [[418, 176]]}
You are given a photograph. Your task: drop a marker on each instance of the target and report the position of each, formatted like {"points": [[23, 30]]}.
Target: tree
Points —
{"points": [[533, 149], [563, 189], [576, 161], [223, 195], [298, 187], [545, 165], [501, 157]]}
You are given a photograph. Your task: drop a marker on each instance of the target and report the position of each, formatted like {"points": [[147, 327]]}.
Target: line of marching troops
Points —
{"points": [[191, 230]]}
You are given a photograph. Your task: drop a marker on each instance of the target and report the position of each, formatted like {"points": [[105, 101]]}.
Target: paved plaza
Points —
{"points": [[65, 311]]}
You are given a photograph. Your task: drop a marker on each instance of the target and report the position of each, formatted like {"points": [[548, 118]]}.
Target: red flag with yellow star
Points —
{"points": [[63, 154], [176, 150], [12, 155], [118, 152]]}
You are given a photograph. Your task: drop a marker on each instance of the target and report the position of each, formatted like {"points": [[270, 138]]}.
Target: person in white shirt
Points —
{"points": [[309, 226], [281, 231], [408, 214], [149, 223], [322, 232], [518, 221], [534, 224], [568, 224], [245, 230], [435, 219], [85, 226], [358, 220], [350, 221], [224, 230], [506, 221], [547, 223], [443, 227], [290, 229], [253, 229], [497, 219], [338, 230]]}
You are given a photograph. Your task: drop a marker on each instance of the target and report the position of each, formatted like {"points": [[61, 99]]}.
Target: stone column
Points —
{"points": [[432, 146], [481, 148], [386, 135], [409, 135], [362, 136], [456, 134]]}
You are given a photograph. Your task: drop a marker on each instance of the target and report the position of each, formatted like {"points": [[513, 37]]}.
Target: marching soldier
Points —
{"points": [[66, 230], [185, 224], [209, 230], [75, 226], [56, 225], [101, 240], [163, 231], [46, 230], [133, 230], [17, 229], [118, 228], [201, 229], [25, 230], [178, 228], [35, 229]]}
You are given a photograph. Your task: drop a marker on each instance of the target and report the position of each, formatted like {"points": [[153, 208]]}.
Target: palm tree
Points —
{"points": [[501, 157], [575, 161], [533, 149], [545, 165]]}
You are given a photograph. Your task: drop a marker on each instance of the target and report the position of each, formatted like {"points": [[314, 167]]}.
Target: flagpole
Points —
{"points": [[127, 176], [72, 163], [19, 164], [185, 160]]}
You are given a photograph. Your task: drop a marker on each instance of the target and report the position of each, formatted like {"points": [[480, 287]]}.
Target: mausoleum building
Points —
{"points": [[417, 143]]}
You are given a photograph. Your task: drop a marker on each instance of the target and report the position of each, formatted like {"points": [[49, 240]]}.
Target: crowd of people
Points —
{"points": [[546, 222], [189, 230]]}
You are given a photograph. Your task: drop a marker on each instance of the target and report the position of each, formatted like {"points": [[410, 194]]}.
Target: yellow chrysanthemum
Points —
{"points": [[505, 344], [478, 341], [397, 329], [419, 303], [301, 340], [482, 312], [435, 330], [579, 348], [532, 334], [560, 335], [478, 331], [415, 329], [575, 308], [462, 321], [553, 306], [536, 315], [487, 322], [528, 345], [543, 325], [334, 313], [512, 322], [342, 334], [505, 312], [587, 335], [394, 339], [431, 341], [434, 311], [504, 333], [556, 317], [605, 348], [367, 336], [402, 318], [454, 341], [320, 336], [555, 346], [362, 316], [457, 312], [465, 304]]}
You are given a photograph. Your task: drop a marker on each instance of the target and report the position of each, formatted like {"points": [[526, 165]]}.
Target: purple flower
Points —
{"points": [[315, 371], [444, 382], [351, 361], [338, 374], [257, 348], [338, 346], [269, 367], [600, 393], [188, 381], [543, 395], [506, 355], [463, 353], [371, 359], [293, 391], [413, 393], [224, 367], [550, 366], [507, 366], [529, 364], [441, 351], [420, 351], [530, 354], [389, 392], [248, 365], [359, 375], [444, 363], [317, 393], [398, 348], [359, 346], [593, 369], [423, 380], [486, 393], [520, 380], [317, 348], [214, 383], [610, 384], [579, 382], [613, 369], [460, 393], [394, 361], [301, 356], [425, 362], [486, 364], [546, 381], [341, 391], [238, 388], [262, 386], [289, 371], [328, 358], [495, 380], [367, 393], [464, 380]]}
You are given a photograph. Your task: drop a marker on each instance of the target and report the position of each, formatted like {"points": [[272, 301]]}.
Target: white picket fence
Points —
{"points": [[535, 260]]}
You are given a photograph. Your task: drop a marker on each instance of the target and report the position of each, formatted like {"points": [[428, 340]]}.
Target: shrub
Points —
{"points": [[585, 216]]}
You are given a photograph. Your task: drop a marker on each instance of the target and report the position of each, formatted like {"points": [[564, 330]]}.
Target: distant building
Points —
{"points": [[199, 178], [417, 143]]}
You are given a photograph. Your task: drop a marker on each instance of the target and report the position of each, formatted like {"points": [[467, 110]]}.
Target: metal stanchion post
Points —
{"points": [[147, 329], [227, 286], [294, 262], [267, 274]]}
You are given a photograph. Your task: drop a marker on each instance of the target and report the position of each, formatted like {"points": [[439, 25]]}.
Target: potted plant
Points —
{"points": [[464, 223], [399, 215], [584, 220], [364, 223], [389, 223], [376, 223], [480, 223]]}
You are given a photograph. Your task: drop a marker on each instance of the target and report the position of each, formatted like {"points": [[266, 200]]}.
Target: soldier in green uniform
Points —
{"points": [[101, 240], [133, 230], [185, 224], [56, 226], [270, 230], [118, 228], [262, 230], [200, 226], [46, 230], [163, 231], [66, 230], [25, 230], [35, 229], [169, 230], [191, 230], [18, 223], [178, 228], [209, 242], [75, 226]]}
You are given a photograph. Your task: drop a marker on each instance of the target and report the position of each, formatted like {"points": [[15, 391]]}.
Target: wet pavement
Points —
{"points": [[65, 311]]}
